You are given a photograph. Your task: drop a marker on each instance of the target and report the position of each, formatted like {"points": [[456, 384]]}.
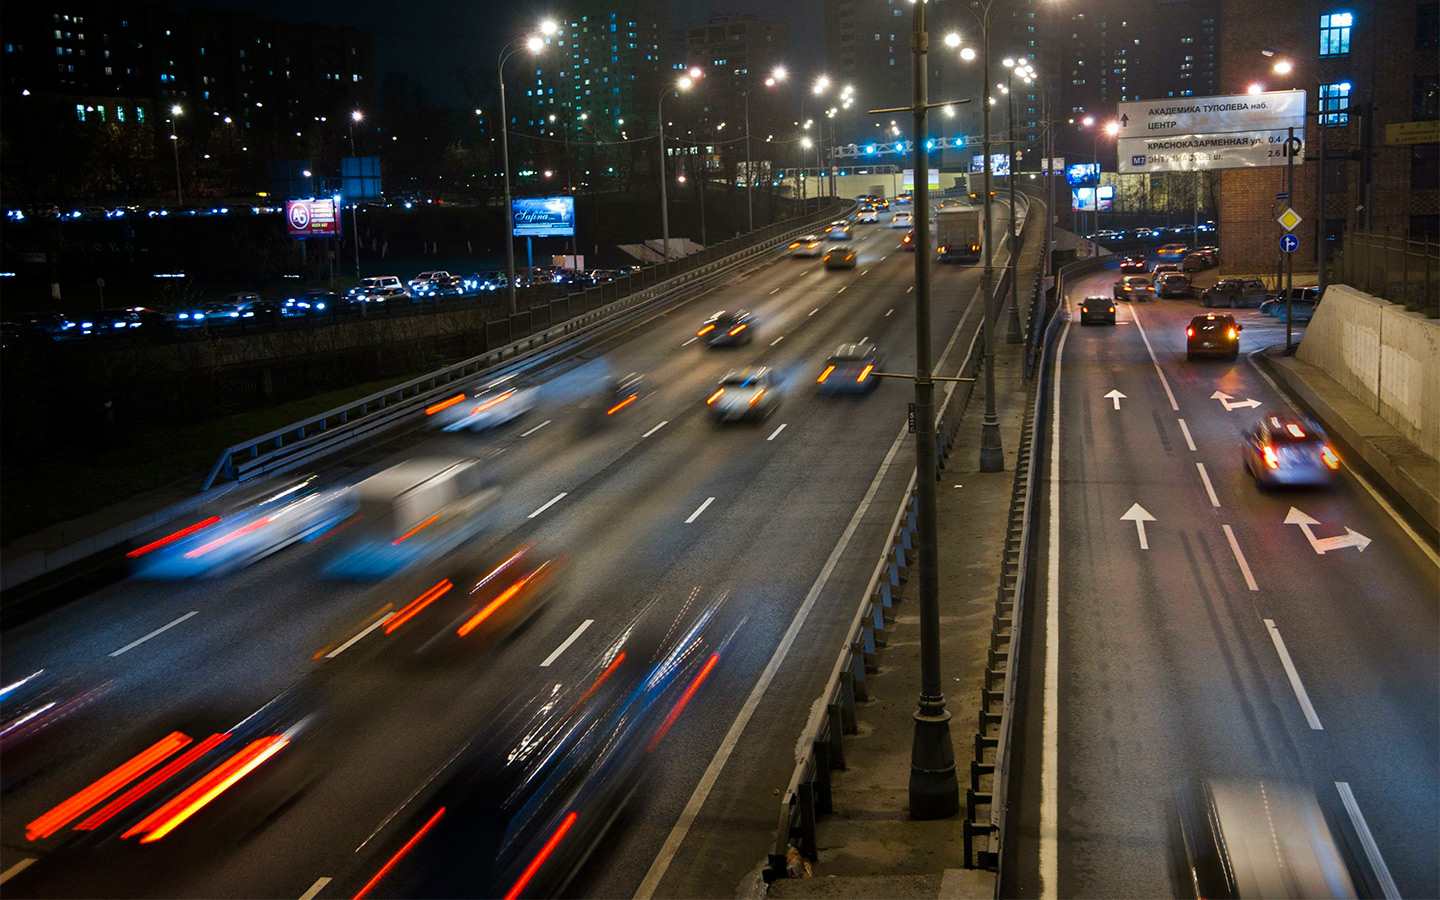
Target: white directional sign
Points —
{"points": [[1139, 516], [1116, 396], [1351, 537], [1227, 132], [1231, 403]]}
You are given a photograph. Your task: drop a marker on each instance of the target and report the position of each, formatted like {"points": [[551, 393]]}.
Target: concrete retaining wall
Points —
{"points": [[1386, 357]]}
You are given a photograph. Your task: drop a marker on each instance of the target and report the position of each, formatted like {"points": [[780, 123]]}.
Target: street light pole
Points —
{"points": [[509, 214], [1012, 333], [175, 145], [992, 455], [776, 76], [355, 116]]}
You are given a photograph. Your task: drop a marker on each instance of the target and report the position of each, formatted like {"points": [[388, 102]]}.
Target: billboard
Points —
{"points": [[999, 164], [543, 216], [1086, 198], [312, 218], [907, 179], [360, 177], [1078, 174], [1232, 131]]}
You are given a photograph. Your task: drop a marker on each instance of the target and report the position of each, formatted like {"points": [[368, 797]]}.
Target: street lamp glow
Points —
{"points": [[1255, 88], [175, 110], [952, 39], [534, 43], [684, 83], [1112, 128], [1008, 62], [548, 27], [822, 84], [968, 54], [806, 143], [779, 74], [1283, 67], [695, 72], [1088, 121], [357, 115]]}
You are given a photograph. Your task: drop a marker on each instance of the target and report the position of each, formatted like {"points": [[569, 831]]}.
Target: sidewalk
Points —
{"points": [[869, 846], [1409, 473]]}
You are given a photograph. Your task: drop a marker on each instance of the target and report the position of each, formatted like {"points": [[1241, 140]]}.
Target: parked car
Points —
{"points": [[1301, 308], [1161, 268], [1194, 261], [1173, 284], [312, 303], [1170, 251], [1234, 293]]}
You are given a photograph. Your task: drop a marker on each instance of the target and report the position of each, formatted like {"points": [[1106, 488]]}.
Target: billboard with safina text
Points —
{"points": [[543, 216]]}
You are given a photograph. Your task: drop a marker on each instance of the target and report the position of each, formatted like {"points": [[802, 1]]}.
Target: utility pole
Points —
{"points": [[992, 455]]}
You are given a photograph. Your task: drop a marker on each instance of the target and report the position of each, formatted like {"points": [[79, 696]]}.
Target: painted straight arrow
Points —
{"points": [[1351, 537], [1224, 398], [1139, 516], [1116, 396]]}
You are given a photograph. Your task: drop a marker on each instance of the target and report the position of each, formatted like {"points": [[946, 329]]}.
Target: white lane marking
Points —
{"points": [[813, 312], [16, 869], [696, 514], [890, 310], [1240, 558], [161, 630], [1364, 482], [1050, 729], [1293, 675], [842, 290], [535, 429], [777, 340], [776, 291], [1139, 515], [691, 341], [553, 500], [883, 258], [776, 432], [865, 338], [356, 639], [1151, 350], [732, 737], [1209, 488], [866, 272], [1185, 430], [315, 889], [656, 428], [566, 645], [910, 288], [1367, 840]]}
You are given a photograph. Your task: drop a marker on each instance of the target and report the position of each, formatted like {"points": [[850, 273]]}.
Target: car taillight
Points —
{"points": [[1112, 309], [715, 396], [1329, 456], [755, 398], [1271, 459], [1189, 332], [825, 374], [864, 373], [704, 331], [736, 330], [1232, 334]]}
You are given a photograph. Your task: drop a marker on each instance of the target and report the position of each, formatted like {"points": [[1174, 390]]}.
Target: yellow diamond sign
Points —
{"points": [[1289, 219]]}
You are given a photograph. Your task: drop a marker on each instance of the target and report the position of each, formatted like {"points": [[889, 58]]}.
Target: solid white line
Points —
{"points": [[1372, 851], [568, 641], [891, 310], [776, 291], [1050, 729], [356, 639], [1209, 489], [315, 889], [696, 514], [1185, 430], [1364, 482], [553, 500], [813, 312], [656, 428], [732, 737], [776, 432], [535, 429], [1240, 558], [16, 869], [866, 272], [1148, 349], [161, 630], [842, 290], [777, 340], [1293, 675], [689, 342]]}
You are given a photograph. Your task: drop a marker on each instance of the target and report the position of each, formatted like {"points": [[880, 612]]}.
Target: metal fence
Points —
{"points": [[1394, 267]]}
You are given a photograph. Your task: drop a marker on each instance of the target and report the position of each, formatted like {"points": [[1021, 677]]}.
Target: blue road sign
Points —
{"points": [[1289, 243]]}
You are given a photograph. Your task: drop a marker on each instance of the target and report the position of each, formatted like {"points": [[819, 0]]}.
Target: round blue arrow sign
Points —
{"points": [[1289, 243]]}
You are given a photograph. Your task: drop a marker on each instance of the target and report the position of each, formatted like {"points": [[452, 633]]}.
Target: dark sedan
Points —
{"points": [[728, 329], [1097, 309]]}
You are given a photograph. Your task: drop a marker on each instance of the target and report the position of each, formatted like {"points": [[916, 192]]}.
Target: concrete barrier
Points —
{"points": [[1385, 356]]}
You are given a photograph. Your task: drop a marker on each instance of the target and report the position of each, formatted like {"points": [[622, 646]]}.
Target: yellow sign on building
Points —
{"points": [[1413, 132]]}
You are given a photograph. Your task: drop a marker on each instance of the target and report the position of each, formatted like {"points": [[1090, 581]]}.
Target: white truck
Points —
{"points": [[958, 235]]}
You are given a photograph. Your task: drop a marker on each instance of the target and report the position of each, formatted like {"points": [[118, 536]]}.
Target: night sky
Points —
{"points": [[445, 44]]}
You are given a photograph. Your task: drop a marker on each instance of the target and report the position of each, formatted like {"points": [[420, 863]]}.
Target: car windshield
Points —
{"points": [[1208, 325], [741, 379], [1134, 280], [846, 353]]}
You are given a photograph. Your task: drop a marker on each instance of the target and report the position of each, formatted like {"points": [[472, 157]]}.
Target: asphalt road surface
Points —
{"points": [[1220, 642], [660, 504]]}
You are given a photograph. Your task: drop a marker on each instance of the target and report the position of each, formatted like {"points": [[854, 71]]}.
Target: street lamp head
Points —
{"points": [[1112, 128], [1088, 121], [684, 83], [306, 173], [968, 54], [806, 143], [952, 39], [175, 110], [1269, 51], [1283, 67], [1008, 62], [1255, 88], [822, 84], [534, 43], [770, 82], [356, 115], [779, 74], [695, 73], [549, 27]]}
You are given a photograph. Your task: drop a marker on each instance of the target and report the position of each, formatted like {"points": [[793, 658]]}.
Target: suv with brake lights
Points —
{"points": [[1282, 450], [748, 393], [728, 329], [1097, 309], [848, 370], [1213, 335]]}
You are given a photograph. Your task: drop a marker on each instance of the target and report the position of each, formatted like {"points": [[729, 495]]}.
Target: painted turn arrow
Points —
{"points": [[1116, 396], [1225, 399], [1139, 516], [1351, 537]]}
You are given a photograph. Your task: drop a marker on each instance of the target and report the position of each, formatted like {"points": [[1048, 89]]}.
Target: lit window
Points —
{"points": [[80, 111], [1335, 34], [1334, 101]]}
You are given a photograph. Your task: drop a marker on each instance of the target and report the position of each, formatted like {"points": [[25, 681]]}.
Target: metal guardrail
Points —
{"points": [[1394, 267], [808, 793], [319, 435]]}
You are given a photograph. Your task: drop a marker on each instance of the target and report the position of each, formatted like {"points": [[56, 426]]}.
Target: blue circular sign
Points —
{"points": [[1289, 243]]}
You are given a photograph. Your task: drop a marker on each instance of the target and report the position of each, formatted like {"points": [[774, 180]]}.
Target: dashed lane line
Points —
{"points": [[535, 429], [161, 630], [1289, 665], [656, 428], [696, 514], [1151, 350], [1240, 558], [1185, 430], [553, 500], [1367, 841], [574, 635], [776, 433], [1209, 488]]}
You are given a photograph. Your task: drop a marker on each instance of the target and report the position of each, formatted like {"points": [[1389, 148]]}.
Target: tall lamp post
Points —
{"points": [[1026, 70], [775, 77], [1012, 331], [175, 144], [534, 43], [355, 116], [684, 83]]}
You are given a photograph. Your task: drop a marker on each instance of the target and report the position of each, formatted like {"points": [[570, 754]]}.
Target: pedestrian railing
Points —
{"points": [[1393, 267]]}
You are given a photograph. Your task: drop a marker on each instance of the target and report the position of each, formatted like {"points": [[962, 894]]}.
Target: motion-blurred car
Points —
{"points": [[1172, 251], [1132, 264], [32, 712], [1172, 284], [868, 216], [123, 319], [1213, 335], [410, 514], [244, 531], [313, 303], [1133, 287], [1097, 309], [616, 399], [902, 220], [837, 231], [377, 289], [1284, 450], [1234, 293], [839, 257], [437, 283], [907, 243], [809, 246], [490, 406], [1256, 840], [728, 329], [48, 324], [751, 393], [847, 370]]}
